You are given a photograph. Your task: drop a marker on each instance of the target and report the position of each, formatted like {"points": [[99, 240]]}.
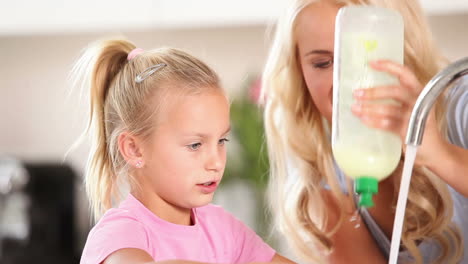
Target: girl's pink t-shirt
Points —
{"points": [[216, 237]]}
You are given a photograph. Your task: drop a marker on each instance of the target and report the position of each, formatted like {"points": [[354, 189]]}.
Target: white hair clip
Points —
{"points": [[148, 71]]}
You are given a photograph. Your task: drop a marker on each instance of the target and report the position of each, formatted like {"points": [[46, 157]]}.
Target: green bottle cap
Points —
{"points": [[366, 187]]}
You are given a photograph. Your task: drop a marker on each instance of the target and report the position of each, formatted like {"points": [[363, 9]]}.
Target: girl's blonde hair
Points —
{"points": [[300, 150], [118, 104]]}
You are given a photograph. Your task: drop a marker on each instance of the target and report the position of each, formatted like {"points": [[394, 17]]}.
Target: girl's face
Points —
{"points": [[314, 32], [186, 154]]}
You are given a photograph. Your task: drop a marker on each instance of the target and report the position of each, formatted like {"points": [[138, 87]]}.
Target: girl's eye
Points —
{"points": [[222, 141], [194, 146], [323, 64]]}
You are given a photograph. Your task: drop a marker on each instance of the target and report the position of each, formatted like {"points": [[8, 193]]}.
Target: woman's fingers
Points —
{"points": [[370, 104], [386, 124], [382, 116], [394, 92], [403, 73], [382, 110], [406, 92]]}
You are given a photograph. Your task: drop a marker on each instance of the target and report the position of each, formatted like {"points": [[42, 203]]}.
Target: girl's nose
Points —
{"points": [[216, 160]]}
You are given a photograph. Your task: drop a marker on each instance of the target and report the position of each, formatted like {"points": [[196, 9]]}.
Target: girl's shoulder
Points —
{"points": [[117, 229], [118, 214], [117, 221]]}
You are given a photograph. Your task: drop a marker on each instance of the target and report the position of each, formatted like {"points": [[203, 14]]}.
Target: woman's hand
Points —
{"points": [[395, 117], [447, 161]]}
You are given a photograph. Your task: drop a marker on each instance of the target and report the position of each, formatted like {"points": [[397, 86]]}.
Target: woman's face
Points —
{"points": [[315, 32]]}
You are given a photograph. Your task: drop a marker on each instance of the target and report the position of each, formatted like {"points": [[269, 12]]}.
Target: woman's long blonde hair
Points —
{"points": [[300, 151], [117, 104]]}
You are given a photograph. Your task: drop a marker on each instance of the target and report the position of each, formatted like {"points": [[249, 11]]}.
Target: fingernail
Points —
{"points": [[358, 93], [375, 63], [356, 108], [386, 122]]}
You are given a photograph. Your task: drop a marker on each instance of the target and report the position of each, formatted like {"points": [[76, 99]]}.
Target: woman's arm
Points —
{"points": [[451, 164], [350, 244]]}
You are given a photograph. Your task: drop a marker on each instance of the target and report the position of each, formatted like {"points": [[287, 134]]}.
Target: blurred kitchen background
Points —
{"points": [[43, 209]]}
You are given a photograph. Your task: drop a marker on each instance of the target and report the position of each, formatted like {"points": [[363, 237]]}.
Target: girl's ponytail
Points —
{"points": [[96, 70]]}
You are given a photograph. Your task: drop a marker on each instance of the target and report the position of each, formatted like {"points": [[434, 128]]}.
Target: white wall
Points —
{"points": [[55, 16], [451, 34]]}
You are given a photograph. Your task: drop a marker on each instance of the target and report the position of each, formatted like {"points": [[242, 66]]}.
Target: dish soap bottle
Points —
{"points": [[365, 154]]}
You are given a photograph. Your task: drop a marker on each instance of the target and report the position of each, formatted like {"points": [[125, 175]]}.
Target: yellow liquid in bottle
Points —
{"points": [[359, 150], [356, 162]]}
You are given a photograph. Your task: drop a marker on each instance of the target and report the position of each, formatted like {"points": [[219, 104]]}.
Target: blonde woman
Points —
{"points": [[159, 121], [310, 197]]}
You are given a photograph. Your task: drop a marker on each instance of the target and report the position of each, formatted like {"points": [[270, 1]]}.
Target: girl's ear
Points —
{"points": [[130, 149]]}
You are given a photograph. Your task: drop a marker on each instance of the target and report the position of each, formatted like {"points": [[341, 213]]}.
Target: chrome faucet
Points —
{"points": [[428, 97]]}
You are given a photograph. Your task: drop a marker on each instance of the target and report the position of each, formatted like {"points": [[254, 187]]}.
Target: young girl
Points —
{"points": [[159, 122], [298, 85]]}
